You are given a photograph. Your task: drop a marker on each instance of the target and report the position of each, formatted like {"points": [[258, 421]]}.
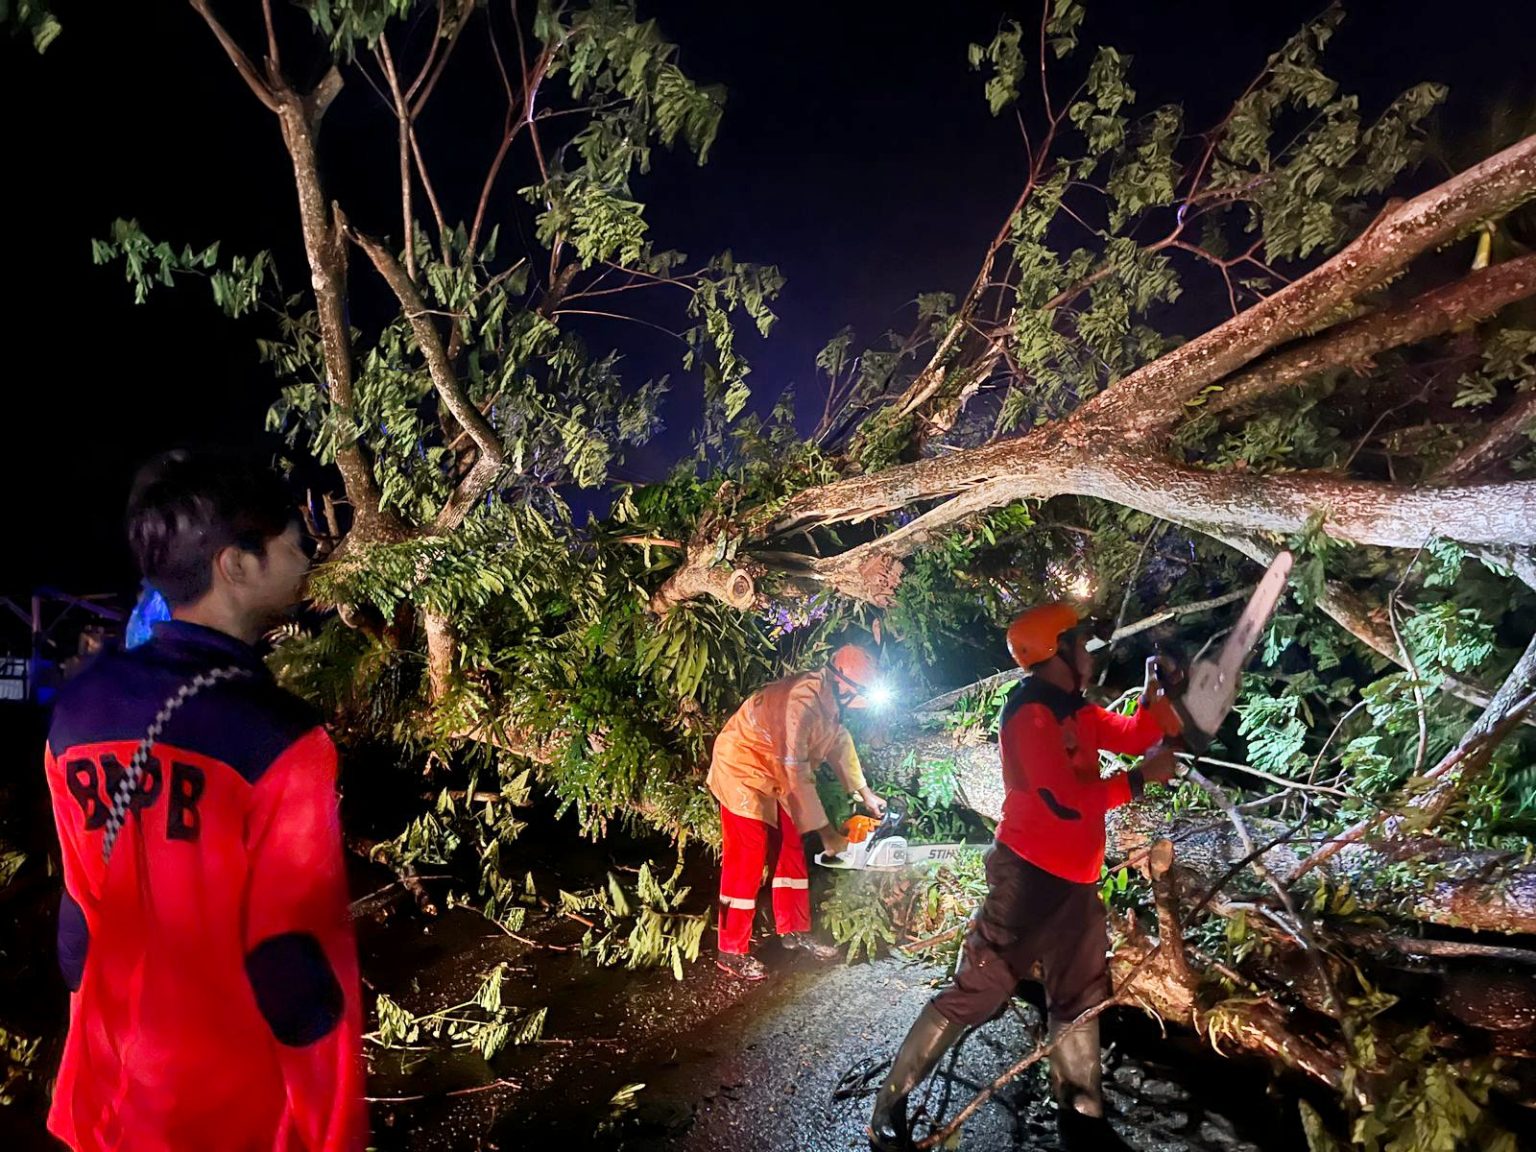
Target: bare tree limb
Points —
{"points": [[1410, 663], [417, 95], [274, 60], [403, 134], [237, 56], [1158, 618]]}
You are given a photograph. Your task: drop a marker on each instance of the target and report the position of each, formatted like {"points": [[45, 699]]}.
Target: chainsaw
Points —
{"points": [[884, 846], [1192, 706]]}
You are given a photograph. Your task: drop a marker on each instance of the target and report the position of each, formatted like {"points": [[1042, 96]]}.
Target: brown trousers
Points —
{"points": [[1032, 926]]}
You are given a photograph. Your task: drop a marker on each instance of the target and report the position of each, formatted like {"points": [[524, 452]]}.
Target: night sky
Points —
{"points": [[857, 153]]}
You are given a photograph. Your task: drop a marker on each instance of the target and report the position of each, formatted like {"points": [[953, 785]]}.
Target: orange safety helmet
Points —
{"points": [[1035, 636], [856, 673]]}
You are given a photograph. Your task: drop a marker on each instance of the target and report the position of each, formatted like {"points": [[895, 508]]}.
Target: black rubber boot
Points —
{"points": [[932, 1036], [1077, 1083]]}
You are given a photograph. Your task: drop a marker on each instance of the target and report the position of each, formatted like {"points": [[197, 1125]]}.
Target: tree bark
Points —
{"points": [[442, 651], [325, 249]]}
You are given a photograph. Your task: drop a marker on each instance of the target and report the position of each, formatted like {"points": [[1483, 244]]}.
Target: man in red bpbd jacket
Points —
{"points": [[1042, 918], [203, 931]]}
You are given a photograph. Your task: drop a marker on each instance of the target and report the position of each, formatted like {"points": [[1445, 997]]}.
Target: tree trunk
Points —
{"points": [[325, 249], [1419, 880], [442, 653], [1098, 463]]}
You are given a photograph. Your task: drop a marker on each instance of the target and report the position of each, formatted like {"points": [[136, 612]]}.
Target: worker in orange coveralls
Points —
{"points": [[1043, 918], [763, 773]]}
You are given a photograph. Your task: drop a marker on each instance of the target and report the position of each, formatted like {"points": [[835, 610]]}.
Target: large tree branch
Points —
{"points": [[237, 57], [299, 117], [445, 380], [1475, 298], [1506, 436], [1044, 465], [1154, 396], [1356, 511], [327, 255]]}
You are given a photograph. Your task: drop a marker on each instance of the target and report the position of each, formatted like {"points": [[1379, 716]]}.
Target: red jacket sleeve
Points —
{"points": [[301, 956], [1128, 735]]}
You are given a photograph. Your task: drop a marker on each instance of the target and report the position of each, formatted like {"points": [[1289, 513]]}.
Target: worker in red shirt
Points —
{"points": [[763, 772], [203, 930], [1042, 917]]}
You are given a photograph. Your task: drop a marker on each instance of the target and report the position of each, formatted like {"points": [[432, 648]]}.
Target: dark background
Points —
{"points": [[857, 153]]}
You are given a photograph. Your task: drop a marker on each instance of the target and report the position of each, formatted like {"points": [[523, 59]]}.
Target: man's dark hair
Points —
{"points": [[186, 507]]}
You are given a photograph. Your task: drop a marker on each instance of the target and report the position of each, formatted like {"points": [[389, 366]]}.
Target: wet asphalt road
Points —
{"points": [[789, 1064]]}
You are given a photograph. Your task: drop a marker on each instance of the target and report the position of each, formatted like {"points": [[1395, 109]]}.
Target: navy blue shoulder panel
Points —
{"points": [[244, 723], [1061, 703], [1017, 697]]}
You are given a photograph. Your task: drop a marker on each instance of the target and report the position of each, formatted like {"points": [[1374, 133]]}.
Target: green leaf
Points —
{"points": [[1005, 58]]}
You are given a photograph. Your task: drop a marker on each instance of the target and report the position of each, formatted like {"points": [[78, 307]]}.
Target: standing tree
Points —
{"points": [[459, 414]]}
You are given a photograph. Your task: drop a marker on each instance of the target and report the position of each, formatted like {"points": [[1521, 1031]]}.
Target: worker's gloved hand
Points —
{"points": [[872, 801], [1155, 700], [1151, 686], [1158, 766], [833, 842]]}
